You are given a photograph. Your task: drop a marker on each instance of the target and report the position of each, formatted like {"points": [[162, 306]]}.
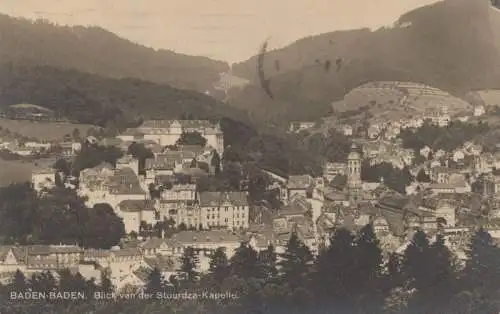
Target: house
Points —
{"points": [[44, 178], [223, 209], [128, 161], [332, 169], [205, 243], [299, 184], [133, 212], [479, 111], [298, 126], [180, 192], [425, 151]]}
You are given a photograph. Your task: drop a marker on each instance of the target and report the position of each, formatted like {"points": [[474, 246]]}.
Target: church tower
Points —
{"points": [[354, 170]]}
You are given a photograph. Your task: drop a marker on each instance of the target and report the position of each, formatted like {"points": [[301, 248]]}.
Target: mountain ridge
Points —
{"points": [[97, 51]]}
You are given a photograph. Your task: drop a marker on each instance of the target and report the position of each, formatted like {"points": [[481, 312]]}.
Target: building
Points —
{"points": [[332, 169], [354, 183], [43, 179], [167, 132], [224, 209], [135, 212]]}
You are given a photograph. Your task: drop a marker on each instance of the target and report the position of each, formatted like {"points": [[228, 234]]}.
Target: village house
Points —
{"points": [[332, 169]]}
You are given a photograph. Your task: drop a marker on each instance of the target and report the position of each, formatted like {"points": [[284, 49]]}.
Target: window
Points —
{"points": [[226, 208]]}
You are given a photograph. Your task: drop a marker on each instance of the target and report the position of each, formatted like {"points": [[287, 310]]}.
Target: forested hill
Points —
{"points": [[97, 51], [452, 45], [92, 99]]}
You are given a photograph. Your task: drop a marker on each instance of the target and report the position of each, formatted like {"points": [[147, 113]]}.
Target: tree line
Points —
{"points": [[350, 275]]}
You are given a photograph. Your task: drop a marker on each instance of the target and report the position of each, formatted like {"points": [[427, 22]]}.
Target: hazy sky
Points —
{"points": [[230, 30]]}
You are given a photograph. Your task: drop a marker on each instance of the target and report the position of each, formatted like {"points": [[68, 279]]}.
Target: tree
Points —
{"points": [[141, 153], [106, 284], [422, 176], [194, 163], [244, 262], [43, 282], [268, 262], [189, 263], [481, 274], [295, 262], [334, 269], [219, 265], [369, 268], [215, 161], [76, 134], [18, 283], [429, 270], [155, 282], [191, 138], [102, 228]]}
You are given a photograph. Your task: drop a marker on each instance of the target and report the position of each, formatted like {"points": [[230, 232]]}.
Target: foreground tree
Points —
{"points": [[189, 264]]}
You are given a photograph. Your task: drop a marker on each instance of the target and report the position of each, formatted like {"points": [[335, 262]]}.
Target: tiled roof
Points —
{"points": [[213, 199], [136, 205]]}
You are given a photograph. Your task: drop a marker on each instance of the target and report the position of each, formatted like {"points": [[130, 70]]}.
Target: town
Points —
{"points": [[161, 190]]}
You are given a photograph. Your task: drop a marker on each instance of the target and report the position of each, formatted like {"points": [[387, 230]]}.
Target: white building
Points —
{"points": [[167, 132], [43, 179]]}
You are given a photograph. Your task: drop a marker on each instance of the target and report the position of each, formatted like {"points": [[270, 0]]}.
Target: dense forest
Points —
{"points": [[93, 99], [350, 275], [98, 51]]}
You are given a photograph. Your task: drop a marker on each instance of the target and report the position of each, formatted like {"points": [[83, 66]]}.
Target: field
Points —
{"points": [[15, 171], [44, 131]]}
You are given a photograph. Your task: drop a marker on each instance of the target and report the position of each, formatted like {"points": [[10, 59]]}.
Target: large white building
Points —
{"points": [[167, 132]]}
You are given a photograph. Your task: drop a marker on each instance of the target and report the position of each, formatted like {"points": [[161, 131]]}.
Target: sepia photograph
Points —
{"points": [[250, 157]]}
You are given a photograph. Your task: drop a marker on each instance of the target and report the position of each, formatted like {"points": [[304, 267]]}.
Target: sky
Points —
{"points": [[228, 30]]}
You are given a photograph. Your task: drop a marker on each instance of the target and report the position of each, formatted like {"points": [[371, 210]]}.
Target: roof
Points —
{"points": [[50, 249], [128, 251], [214, 199], [94, 253], [136, 205], [153, 243], [300, 181], [163, 263], [160, 163], [205, 236], [161, 124]]}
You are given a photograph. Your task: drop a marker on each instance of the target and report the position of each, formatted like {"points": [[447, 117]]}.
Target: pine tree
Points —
{"points": [[219, 265], [295, 262], [430, 272], [155, 282], [18, 283], [106, 285], [244, 262], [482, 269], [369, 269], [215, 162], [43, 282], [334, 269], [268, 261], [189, 262]]}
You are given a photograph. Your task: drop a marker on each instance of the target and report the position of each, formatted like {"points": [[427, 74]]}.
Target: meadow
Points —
{"points": [[44, 131]]}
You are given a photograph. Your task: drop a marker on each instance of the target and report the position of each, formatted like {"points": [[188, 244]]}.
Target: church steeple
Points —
{"points": [[354, 170]]}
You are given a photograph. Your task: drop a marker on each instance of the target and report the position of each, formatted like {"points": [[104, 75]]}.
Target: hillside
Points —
{"points": [[92, 99], [451, 45], [97, 51]]}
